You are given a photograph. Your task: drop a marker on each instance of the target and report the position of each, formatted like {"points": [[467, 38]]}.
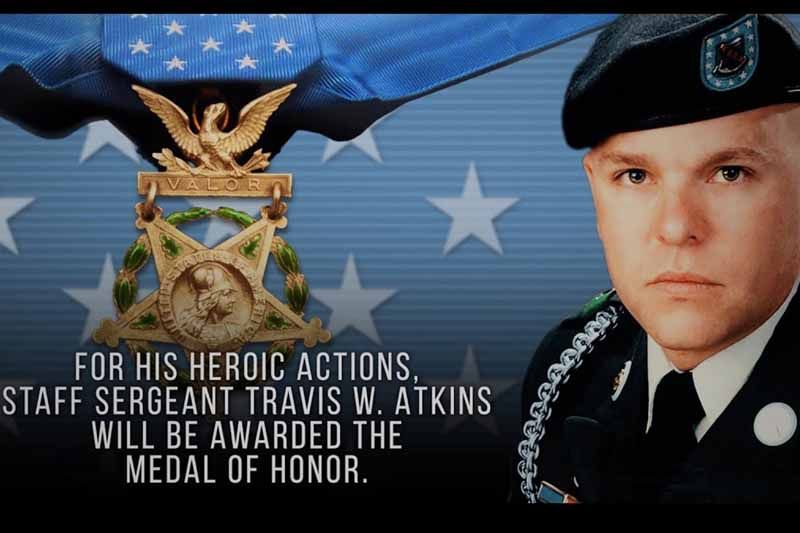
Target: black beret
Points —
{"points": [[651, 71]]}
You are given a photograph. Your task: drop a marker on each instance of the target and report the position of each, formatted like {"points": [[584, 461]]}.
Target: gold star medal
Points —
{"points": [[211, 299]]}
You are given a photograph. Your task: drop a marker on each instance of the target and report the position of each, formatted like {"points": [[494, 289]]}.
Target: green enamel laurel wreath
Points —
{"points": [[126, 285]]}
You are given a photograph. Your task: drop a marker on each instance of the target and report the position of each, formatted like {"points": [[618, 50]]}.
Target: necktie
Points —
{"points": [[676, 412]]}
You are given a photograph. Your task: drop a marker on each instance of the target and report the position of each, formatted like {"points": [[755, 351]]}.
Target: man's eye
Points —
{"points": [[634, 175], [730, 174]]}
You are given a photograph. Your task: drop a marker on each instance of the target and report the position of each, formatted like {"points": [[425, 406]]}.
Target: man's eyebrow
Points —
{"points": [[621, 158], [739, 153]]}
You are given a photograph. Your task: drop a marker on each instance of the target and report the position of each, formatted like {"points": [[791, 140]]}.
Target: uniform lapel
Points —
{"points": [[730, 462], [603, 446]]}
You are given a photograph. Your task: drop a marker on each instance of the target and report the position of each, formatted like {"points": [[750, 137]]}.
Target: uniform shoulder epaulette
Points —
{"points": [[597, 302], [576, 326]]}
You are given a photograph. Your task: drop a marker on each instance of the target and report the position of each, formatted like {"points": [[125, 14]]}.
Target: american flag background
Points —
{"points": [[459, 227]]}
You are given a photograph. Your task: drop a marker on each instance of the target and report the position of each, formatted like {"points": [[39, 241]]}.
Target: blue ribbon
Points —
{"points": [[61, 71]]}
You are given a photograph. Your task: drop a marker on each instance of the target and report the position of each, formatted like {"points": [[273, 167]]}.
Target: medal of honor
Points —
{"points": [[211, 299]]}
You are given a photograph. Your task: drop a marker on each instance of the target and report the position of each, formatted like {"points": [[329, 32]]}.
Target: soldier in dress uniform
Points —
{"points": [[682, 383]]}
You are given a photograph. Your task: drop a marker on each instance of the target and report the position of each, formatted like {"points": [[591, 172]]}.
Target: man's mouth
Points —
{"points": [[683, 283]]}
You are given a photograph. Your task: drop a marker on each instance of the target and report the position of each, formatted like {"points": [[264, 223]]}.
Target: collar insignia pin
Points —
{"points": [[619, 381], [775, 424]]}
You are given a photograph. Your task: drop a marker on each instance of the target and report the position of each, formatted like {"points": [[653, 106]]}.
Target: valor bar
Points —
{"points": [[223, 184]]}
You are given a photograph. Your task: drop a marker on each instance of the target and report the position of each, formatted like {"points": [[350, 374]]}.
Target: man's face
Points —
{"points": [[227, 299], [700, 223]]}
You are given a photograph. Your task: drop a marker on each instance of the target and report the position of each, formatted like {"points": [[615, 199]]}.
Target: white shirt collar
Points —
{"points": [[719, 377]]}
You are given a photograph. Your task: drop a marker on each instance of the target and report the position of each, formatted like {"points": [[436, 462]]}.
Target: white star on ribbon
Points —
{"points": [[103, 132], [175, 63], [470, 375], [211, 44], [99, 301], [9, 207], [364, 142], [244, 26], [247, 62], [472, 214], [140, 46], [352, 305], [174, 27], [281, 44]]}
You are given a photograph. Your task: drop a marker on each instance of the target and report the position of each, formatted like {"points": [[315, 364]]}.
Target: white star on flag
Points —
{"points": [[211, 44], [352, 305], [99, 301], [175, 63], [244, 26], [8, 208], [470, 375], [749, 23], [174, 27], [140, 46], [472, 214], [281, 44], [247, 62], [364, 142], [103, 132]]}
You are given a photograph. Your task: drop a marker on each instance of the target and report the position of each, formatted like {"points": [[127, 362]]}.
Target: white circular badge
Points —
{"points": [[775, 424]]}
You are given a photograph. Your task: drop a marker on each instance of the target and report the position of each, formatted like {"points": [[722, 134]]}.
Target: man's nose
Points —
{"points": [[680, 219]]}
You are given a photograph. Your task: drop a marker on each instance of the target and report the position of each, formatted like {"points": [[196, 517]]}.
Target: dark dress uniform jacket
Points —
{"points": [[591, 444]]}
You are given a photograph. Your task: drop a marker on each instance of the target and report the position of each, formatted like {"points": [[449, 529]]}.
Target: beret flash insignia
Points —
{"points": [[729, 56]]}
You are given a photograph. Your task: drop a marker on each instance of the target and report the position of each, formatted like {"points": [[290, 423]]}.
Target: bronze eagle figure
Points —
{"points": [[212, 150]]}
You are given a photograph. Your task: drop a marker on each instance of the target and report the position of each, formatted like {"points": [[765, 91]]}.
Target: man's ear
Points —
{"points": [[587, 168]]}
